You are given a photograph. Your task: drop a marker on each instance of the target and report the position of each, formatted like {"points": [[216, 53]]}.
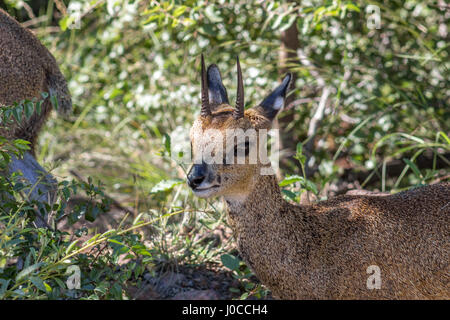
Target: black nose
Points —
{"points": [[196, 175]]}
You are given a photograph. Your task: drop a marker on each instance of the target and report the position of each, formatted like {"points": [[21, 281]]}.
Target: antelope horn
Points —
{"points": [[205, 111], [239, 111]]}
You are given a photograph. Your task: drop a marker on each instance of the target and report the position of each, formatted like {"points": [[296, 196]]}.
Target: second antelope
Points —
{"points": [[27, 69], [323, 250]]}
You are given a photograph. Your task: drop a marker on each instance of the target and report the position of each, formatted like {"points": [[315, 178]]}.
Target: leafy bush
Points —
{"points": [[41, 263]]}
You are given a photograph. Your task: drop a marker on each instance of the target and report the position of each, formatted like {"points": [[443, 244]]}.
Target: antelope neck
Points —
{"points": [[263, 196]]}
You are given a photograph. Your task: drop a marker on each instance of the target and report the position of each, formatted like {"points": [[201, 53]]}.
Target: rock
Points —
{"points": [[187, 283], [168, 282], [202, 282], [171, 279], [145, 293], [215, 285], [197, 295], [148, 277]]}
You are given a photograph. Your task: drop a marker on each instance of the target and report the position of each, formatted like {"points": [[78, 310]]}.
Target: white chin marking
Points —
{"points": [[206, 193], [278, 103], [236, 198]]}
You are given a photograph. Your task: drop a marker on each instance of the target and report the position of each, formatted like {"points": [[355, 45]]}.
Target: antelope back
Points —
{"points": [[27, 69]]}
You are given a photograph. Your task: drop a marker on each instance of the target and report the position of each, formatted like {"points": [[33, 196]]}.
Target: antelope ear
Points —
{"points": [[275, 101], [217, 91]]}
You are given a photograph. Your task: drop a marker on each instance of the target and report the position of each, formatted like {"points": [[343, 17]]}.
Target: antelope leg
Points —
{"points": [[42, 185]]}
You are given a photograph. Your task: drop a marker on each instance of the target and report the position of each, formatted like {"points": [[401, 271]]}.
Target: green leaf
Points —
{"points": [[116, 242], [299, 148], [413, 168], [25, 272], [47, 287], [235, 290], [244, 296], [153, 17], [299, 154], [229, 261], [41, 285], [138, 218], [167, 144], [92, 214], [208, 29], [310, 186], [60, 283], [290, 180], [446, 138], [179, 11], [22, 144], [39, 107], [166, 185], [54, 101], [29, 109], [17, 113], [7, 115], [92, 239], [352, 7], [5, 156], [291, 195], [71, 246], [65, 22], [304, 183], [153, 10], [102, 288], [118, 247], [3, 286], [108, 233]]}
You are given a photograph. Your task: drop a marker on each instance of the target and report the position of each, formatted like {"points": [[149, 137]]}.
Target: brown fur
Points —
{"points": [[27, 69], [322, 251]]}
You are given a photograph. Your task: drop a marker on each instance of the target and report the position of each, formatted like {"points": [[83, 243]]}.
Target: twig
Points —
{"points": [[34, 21], [440, 179], [318, 115], [348, 119], [320, 110], [61, 7], [28, 9], [314, 125]]}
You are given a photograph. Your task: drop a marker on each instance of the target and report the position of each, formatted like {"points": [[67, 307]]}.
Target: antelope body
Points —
{"points": [[28, 69], [326, 250]]}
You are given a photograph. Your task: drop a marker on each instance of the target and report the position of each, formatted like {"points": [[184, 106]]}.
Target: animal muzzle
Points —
{"points": [[197, 175]]}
